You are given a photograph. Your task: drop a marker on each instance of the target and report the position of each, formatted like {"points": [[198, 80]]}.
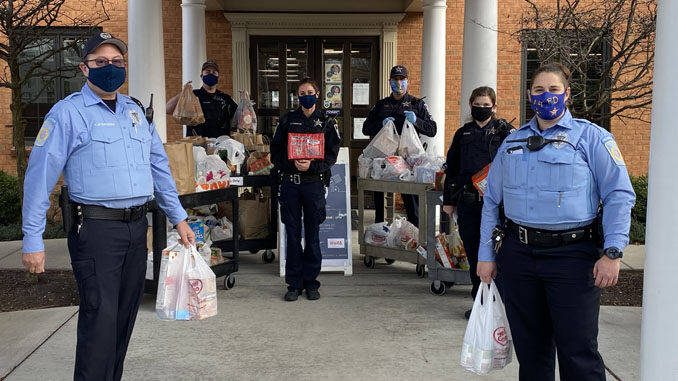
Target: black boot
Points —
{"points": [[292, 295]]}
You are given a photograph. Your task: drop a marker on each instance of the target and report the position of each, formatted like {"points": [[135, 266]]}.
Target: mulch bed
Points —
{"points": [[24, 291], [57, 288]]}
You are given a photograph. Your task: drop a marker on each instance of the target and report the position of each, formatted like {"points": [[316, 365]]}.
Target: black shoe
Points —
{"points": [[312, 294], [467, 314], [292, 295]]}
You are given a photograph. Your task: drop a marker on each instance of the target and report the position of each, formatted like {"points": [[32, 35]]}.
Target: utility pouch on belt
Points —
{"points": [[67, 209], [305, 146]]}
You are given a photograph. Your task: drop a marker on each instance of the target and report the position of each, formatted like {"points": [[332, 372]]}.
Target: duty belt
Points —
{"points": [[549, 238], [299, 178], [102, 213]]}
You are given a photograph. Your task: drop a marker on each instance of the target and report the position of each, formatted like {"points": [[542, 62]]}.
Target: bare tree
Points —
{"points": [[25, 26], [608, 46]]}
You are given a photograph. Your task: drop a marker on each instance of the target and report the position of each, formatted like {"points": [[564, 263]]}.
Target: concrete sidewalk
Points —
{"points": [[380, 324]]}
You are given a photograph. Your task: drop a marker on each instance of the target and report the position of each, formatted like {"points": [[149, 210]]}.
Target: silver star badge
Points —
{"points": [[317, 123], [407, 104]]}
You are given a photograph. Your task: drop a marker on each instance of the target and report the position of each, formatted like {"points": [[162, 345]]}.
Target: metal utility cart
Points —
{"points": [[371, 252], [441, 277]]}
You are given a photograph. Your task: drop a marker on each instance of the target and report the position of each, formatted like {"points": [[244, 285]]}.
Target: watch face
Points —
{"points": [[613, 253]]}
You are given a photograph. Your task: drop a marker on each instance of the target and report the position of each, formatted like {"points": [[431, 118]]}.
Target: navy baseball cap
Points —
{"points": [[398, 70], [100, 39], [208, 64]]}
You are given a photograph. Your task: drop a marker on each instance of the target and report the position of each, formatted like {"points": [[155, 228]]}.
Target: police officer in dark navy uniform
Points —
{"points": [[398, 107], [473, 147], [113, 162], [217, 106], [551, 175], [302, 187]]}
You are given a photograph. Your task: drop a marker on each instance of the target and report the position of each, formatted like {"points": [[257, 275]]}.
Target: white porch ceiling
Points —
{"points": [[344, 6]]}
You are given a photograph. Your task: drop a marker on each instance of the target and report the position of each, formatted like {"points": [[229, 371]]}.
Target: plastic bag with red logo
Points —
{"points": [[487, 343], [245, 119]]}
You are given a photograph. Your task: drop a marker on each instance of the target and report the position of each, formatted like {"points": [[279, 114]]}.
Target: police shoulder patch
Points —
{"points": [[613, 150], [45, 131]]}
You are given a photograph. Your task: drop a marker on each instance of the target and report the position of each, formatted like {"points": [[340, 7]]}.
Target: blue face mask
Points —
{"points": [[307, 101], [398, 86], [548, 106], [210, 79], [108, 78]]}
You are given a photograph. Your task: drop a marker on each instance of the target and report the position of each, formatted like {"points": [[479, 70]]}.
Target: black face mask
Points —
{"points": [[481, 114]]}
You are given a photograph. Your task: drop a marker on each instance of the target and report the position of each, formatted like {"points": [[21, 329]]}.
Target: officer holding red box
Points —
{"points": [[304, 148]]}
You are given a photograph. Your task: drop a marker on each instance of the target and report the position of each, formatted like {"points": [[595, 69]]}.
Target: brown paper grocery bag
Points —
{"points": [[253, 218], [182, 166], [188, 110]]}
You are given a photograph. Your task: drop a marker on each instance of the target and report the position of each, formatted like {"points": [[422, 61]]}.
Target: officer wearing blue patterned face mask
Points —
{"points": [[114, 163], [551, 175]]}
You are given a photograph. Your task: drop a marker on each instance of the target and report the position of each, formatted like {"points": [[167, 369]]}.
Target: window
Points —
{"points": [[593, 66], [57, 77]]}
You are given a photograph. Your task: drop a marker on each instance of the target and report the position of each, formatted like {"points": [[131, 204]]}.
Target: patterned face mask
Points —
{"points": [[398, 86], [548, 106]]}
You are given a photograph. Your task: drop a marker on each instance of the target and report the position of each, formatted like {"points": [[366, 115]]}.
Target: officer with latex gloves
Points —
{"points": [[551, 175], [303, 150], [114, 163], [398, 107], [473, 147]]}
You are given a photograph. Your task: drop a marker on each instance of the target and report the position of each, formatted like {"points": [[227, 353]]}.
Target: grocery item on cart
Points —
{"points": [[216, 257], [410, 146], [378, 166], [200, 159], [377, 234], [223, 230], [456, 248], [216, 174], [245, 119], [230, 150], [181, 165], [443, 255], [364, 166], [385, 143], [394, 167], [259, 163], [403, 234], [407, 176]]}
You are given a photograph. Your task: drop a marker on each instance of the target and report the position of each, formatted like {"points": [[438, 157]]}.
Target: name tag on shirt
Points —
{"points": [[517, 151]]}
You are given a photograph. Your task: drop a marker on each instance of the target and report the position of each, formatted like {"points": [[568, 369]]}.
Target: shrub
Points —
{"points": [[10, 201], [639, 211]]}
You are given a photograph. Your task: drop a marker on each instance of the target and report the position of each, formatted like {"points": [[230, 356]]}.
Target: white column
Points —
{"points": [[389, 52], [658, 353], [241, 59], [479, 60], [193, 44], [433, 69], [146, 57]]}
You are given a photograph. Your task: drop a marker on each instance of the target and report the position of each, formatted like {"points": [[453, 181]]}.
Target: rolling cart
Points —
{"points": [[441, 277], [371, 252]]}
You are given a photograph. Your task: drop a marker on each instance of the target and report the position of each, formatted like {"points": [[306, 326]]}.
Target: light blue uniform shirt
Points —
{"points": [[558, 187], [115, 160]]}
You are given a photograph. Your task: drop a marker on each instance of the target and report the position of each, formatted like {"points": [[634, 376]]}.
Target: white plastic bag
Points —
{"points": [[245, 119], [377, 168], [385, 143], [235, 151], [410, 146], [487, 342], [377, 234], [223, 230], [394, 167], [216, 175], [187, 287], [364, 166]]}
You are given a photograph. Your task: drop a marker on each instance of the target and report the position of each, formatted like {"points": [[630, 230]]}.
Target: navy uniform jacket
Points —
{"points": [[295, 121], [390, 107], [472, 149], [218, 108]]}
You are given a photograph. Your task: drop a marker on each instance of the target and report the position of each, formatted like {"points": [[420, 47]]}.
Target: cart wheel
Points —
{"points": [[449, 284], [268, 256], [438, 289], [229, 281], [390, 261], [254, 251], [421, 271], [369, 261]]}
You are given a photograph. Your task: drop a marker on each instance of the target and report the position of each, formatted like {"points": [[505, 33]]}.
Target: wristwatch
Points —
{"points": [[613, 252]]}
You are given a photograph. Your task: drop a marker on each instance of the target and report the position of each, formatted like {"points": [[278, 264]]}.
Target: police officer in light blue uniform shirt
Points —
{"points": [[114, 163], [552, 270]]}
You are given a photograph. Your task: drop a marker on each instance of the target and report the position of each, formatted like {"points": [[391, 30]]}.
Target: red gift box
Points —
{"points": [[305, 146]]}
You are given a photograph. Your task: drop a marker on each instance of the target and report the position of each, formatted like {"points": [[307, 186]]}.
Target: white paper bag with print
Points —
{"points": [[487, 342]]}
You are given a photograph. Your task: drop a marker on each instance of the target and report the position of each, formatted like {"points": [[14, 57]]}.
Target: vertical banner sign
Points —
{"points": [[335, 232]]}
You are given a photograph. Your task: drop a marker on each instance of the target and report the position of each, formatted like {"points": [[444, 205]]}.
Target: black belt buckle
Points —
{"points": [[127, 214], [522, 234], [296, 178]]}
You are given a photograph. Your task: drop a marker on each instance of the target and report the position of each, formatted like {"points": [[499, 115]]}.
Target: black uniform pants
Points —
{"points": [[468, 220], [411, 207], [109, 264], [552, 303], [302, 266]]}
